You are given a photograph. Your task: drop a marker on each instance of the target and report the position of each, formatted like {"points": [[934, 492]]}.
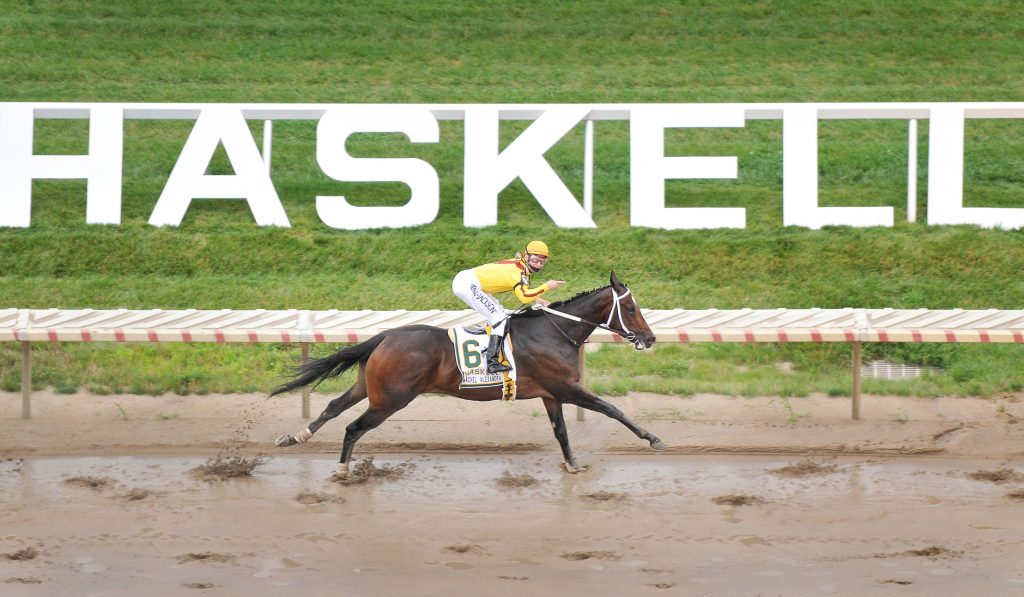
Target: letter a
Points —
{"points": [[189, 180]]}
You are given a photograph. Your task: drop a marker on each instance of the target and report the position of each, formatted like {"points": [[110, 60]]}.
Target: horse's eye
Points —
{"points": [[631, 309]]}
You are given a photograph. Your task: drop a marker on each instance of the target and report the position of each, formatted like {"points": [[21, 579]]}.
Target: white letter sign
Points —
{"points": [[334, 129], [946, 177], [489, 171], [800, 179], [650, 168], [101, 167], [189, 180]]}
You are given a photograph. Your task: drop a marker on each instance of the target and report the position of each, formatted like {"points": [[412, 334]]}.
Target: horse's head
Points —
{"points": [[624, 314]]}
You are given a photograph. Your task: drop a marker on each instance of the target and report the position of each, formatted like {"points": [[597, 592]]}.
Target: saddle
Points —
{"points": [[469, 344]]}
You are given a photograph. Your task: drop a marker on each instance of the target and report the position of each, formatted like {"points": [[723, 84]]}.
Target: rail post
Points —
{"points": [[305, 390], [855, 366], [26, 380]]}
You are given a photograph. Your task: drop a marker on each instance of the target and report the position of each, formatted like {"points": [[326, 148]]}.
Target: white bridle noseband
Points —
{"points": [[616, 309]]}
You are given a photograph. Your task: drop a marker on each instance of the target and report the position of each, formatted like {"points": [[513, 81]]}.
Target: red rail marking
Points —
{"points": [[983, 335], [318, 336], [783, 337], [353, 337], [683, 336], [152, 336], [186, 336], [1018, 337], [52, 335], [253, 336], [716, 336], [219, 335], [815, 335], [86, 336], [749, 335], [916, 335], [883, 336], [119, 335], [950, 336]]}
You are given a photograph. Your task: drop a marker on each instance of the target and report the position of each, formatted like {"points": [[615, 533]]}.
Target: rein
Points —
{"points": [[615, 310]]}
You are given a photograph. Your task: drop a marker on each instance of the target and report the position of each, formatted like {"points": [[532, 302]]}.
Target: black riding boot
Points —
{"points": [[494, 364]]}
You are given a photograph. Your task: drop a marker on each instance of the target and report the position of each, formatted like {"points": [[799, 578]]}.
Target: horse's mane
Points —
{"points": [[526, 311]]}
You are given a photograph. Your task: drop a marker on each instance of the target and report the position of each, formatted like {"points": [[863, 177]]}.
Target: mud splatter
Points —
{"points": [[228, 467], [1016, 495], [591, 555], [136, 495], [199, 585], [604, 496], [509, 480], [28, 553], [23, 581], [933, 552], [738, 500], [805, 468], [470, 549], [365, 471], [206, 556], [895, 582], [313, 497], [663, 585], [514, 577], [1002, 475], [94, 483]]}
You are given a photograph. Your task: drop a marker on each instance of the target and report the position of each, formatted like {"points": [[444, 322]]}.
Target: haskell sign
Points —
{"points": [[488, 169]]}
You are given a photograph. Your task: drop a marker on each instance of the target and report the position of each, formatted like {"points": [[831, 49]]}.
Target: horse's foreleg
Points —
{"points": [[554, 409], [583, 397], [334, 408]]}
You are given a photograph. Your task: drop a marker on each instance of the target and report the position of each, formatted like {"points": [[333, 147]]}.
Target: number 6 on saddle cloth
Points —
{"points": [[470, 343]]}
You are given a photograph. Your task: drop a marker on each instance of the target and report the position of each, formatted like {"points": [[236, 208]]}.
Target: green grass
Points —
{"points": [[516, 52]]}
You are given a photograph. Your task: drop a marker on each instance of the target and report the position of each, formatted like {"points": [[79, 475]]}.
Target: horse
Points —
{"points": [[397, 365]]}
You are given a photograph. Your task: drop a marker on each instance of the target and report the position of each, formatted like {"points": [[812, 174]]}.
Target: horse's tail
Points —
{"points": [[319, 370]]}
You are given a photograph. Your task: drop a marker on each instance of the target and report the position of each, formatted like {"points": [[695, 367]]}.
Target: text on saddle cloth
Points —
{"points": [[469, 348]]}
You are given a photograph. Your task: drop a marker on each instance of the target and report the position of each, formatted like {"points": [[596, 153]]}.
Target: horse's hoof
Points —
{"points": [[285, 440], [573, 470], [342, 471], [658, 445]]}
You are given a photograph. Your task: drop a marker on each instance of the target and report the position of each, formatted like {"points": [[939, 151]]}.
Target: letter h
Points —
{"points": [[101, 167]]}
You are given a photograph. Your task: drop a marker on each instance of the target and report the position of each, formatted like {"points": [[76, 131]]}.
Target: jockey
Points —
{"points": [[476, 285]]}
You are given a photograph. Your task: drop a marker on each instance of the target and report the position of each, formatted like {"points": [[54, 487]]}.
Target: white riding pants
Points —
{"points": [[466, 286]]}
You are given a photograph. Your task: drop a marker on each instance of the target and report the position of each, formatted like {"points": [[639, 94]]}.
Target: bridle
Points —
{"points": [[615, 310]]}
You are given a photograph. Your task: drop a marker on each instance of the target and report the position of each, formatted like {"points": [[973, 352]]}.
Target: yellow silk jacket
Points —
{"points": [[510, 275]]}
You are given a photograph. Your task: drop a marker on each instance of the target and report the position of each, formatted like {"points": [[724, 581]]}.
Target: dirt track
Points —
{"points": [[99, 495]]}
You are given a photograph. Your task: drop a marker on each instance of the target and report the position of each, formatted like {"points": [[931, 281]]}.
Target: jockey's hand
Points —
{"points": [[553, 284], [541, 302]]}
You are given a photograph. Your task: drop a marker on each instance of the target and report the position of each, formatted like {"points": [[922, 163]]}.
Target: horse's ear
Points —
{"points": [[615, 281]]}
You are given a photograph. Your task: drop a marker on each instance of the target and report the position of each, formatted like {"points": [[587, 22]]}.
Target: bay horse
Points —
{"points": [[397, 365]]}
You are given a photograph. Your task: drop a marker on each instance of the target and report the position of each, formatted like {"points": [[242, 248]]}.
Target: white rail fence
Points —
{"points": [[302, 327]]}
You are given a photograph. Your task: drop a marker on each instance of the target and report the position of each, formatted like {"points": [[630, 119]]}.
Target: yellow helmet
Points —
{"points": [[537, 247]]}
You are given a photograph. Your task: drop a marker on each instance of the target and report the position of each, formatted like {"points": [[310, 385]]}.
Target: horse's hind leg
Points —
{"points": [[335, 407]]}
